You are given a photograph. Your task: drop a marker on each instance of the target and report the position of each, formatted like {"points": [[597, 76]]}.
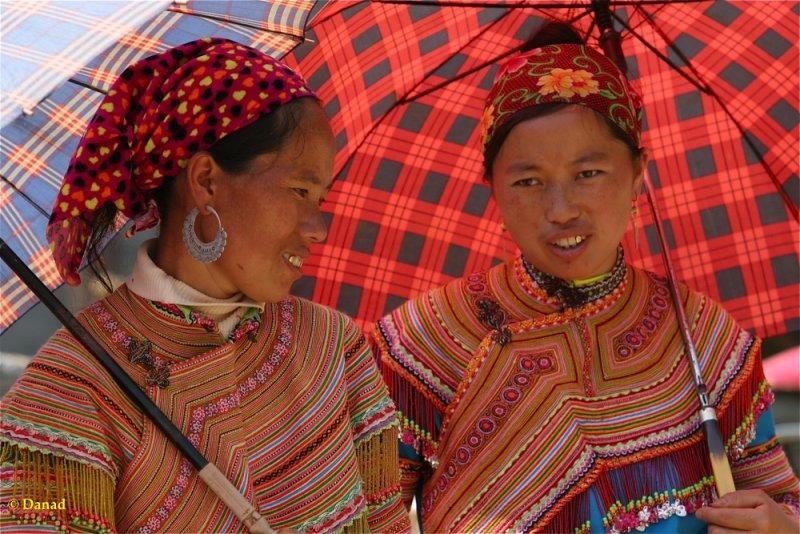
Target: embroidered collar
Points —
{"points": [[573, 295]]}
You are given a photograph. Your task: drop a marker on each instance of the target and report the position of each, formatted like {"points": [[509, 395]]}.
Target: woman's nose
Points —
{"points": [[561, 207], [313, 228]]}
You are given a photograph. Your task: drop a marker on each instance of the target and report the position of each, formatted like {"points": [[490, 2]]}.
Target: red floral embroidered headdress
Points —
{"points": [[568, 73], [159, 112]]}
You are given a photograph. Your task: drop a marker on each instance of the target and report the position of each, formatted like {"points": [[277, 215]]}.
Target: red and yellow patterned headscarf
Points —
{"points": [[159, 112], [566, 73]]}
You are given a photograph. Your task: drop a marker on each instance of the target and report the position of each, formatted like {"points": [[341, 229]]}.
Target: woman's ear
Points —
{"points": [[640, 166], [202, 174]]}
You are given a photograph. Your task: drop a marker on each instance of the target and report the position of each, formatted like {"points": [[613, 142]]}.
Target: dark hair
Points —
{"points": [[265, 136], [233, 153], [551, 33]]}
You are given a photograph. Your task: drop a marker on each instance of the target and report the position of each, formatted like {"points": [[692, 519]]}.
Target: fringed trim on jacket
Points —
{"points": [[46, 489]]}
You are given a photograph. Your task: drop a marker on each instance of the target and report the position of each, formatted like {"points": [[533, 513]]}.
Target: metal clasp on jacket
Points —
{"points": [[493, 316], [139, 354]]}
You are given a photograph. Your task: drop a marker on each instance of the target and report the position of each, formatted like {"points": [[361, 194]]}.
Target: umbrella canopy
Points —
{"points": [[42, 127], [405, 84], [44, 43]]}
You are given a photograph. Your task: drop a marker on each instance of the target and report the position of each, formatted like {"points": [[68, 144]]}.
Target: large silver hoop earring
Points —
{"points": [[200, 250]]}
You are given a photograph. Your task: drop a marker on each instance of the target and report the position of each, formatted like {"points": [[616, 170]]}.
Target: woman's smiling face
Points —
{"points": [[270, 211], [564, 185]]}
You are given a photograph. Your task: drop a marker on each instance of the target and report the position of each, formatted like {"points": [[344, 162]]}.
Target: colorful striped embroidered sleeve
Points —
{"points": [[757, 458], [59, 444], [422, 349], [374, 426], [416, 412], [763, 465]]}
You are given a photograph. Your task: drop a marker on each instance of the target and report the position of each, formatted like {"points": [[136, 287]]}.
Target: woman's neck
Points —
{"points": [[171, 256], [576, 293]]}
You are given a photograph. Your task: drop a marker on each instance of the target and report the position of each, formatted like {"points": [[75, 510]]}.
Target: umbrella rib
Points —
{"points": [[321, 20], [439, 85], [217, 18], [25, 196], [589, 31], [467, 3], [76, 82], [660, 55], [473, 70], [404, 99], [85, 85], [651, 21], [707, 89], [526, 4]]}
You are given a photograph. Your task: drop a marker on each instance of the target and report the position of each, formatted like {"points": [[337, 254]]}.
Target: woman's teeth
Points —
{"points": [[569, 242], [296, 261]]}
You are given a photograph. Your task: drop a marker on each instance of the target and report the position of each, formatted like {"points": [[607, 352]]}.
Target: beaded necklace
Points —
{"points": [[573, 294]]}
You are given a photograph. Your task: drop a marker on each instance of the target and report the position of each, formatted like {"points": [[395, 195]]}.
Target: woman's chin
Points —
{"points": [[273, 293], [566, 270]]}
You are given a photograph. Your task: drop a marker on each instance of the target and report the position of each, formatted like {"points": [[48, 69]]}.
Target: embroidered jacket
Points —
{"points": [[290, 408], [519, 416]]}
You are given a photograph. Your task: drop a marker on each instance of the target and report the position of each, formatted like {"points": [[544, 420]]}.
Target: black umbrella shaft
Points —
{"points": [[683, 322], [708, 416], [117, 373], [610, 40]]}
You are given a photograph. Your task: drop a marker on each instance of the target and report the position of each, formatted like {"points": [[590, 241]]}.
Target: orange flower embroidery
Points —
{"points": [[584, 83], [568, 82]]}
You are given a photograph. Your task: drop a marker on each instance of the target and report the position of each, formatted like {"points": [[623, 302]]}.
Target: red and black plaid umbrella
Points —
{"points": [[405, 83]]}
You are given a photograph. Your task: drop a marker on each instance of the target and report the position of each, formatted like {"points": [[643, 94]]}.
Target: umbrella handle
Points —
{"points": [[723, 477], [234, 500], [213, 477]]}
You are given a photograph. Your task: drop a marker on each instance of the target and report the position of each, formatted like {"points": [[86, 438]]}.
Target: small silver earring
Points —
{"points": [[200, 250]]}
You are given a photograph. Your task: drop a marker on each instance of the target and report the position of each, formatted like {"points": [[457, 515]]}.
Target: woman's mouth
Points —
{"points": [[568, 247], [569, 242]]}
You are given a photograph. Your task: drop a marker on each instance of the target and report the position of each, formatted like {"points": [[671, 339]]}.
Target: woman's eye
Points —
{"points": [[589, 174], [525, 182]]}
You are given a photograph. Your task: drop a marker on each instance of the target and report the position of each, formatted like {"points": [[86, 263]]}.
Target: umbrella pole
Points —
{"points": [[611, 43], [207, 471], [723, 477]]}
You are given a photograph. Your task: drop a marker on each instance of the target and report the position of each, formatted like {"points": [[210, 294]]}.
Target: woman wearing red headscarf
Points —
{"points": [[550, 393], [231, 151]]}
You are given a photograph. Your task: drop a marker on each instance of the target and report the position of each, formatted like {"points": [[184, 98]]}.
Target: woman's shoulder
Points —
{"points": [[435, 333], [62, 360], [308, 309], [65, 367], [695, 302], [450, 302], [63, 391], [64, 355]]}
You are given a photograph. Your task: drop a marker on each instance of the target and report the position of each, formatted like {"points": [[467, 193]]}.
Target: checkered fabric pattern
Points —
{"points": [[35, 150], [45, 42], [405, 87]]}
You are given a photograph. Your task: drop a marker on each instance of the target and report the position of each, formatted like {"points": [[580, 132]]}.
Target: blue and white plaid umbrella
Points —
{"points": [[45, 43], [57, 59]]}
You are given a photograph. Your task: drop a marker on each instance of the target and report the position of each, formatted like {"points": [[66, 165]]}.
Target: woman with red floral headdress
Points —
{"points": [[550, 393], [231, 151]]}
